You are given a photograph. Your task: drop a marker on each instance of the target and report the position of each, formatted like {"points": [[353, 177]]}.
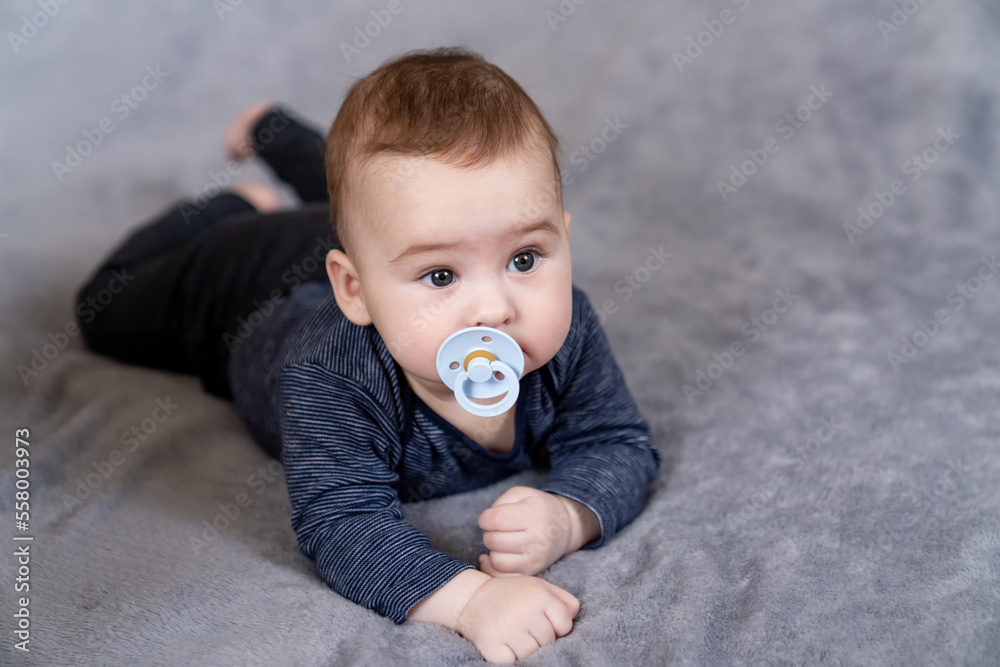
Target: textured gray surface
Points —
{"points": [[879, 546]]}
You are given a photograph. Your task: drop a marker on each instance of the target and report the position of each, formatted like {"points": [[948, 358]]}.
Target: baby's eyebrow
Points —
{"points": [[546, 226]]}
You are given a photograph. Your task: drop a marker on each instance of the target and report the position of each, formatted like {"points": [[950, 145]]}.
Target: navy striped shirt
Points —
{"points": [[357, 443]]}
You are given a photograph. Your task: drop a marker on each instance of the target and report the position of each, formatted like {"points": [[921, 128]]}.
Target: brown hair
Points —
{"points": [[449, 104]]}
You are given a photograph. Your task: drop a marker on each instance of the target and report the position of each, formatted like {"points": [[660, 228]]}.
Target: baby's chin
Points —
{"points": [[428, 378]]}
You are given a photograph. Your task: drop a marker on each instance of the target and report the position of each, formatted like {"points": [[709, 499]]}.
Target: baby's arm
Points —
{"points": [[600, 452], [346, 512], [505, 619], [348, 519]]}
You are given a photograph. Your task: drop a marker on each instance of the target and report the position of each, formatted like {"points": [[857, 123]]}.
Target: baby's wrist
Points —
{"points": [[445, 605], [472, 581], [584, 527]]}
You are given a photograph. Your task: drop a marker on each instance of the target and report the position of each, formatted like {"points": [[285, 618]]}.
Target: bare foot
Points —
{"points": [[261, 196], [237, 137]]}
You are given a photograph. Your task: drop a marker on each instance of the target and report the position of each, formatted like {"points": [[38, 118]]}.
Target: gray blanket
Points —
{"points": [[818, 358]]}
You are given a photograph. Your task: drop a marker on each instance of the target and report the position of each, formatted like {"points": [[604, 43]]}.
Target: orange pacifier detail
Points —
{"points": [[477, 353]]}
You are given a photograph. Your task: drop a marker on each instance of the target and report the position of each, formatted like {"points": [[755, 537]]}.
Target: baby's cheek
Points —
{"points": [[422, 357], [557, 323]]}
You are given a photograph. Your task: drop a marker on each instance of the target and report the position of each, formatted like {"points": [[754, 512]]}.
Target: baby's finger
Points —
{"points": [[567, 598], [515, 494], [523, 644], [541, 629], [508, 563], [504, 517], [559, 617], [501, 654], [486, 566], [512, 542]]}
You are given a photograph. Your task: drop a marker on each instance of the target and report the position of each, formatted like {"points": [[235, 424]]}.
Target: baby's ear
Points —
{"points": [[566, 219], [347, 287]]}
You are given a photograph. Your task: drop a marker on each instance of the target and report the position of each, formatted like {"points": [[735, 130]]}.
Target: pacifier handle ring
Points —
{"points": [[513, 388]]}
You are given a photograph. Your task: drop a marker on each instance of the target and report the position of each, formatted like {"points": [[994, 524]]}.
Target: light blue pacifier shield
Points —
{"points": [[468, 362]]}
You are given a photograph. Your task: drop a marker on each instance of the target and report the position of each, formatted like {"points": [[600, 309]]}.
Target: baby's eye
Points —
{"points": [[523, 261], [439, 278]]}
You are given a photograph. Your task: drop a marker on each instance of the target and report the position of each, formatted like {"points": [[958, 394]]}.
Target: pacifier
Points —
{"points": [[469, 362]]}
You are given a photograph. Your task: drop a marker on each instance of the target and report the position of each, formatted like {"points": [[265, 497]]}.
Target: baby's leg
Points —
{"points": [[245, 266], [166, 296], [174, 228], [125, 308], [294, 150]]}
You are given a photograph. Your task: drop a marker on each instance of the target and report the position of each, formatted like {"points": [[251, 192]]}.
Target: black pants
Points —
{"points": [[166, 296]]}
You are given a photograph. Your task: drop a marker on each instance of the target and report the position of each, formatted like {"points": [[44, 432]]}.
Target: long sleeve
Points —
{"points": [[600, 450], [338, 449]]}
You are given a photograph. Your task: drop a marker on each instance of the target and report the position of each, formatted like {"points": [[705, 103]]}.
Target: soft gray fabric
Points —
{"points": [[880, 546]]}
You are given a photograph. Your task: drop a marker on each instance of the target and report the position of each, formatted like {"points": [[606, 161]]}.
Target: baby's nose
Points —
{"points": [[493, 308]]}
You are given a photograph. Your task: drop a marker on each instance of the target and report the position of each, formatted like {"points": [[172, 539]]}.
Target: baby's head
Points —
{"points": [[446, 196]]}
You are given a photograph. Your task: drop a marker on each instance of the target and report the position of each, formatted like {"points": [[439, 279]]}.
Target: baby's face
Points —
{"points": [[441, 248]]}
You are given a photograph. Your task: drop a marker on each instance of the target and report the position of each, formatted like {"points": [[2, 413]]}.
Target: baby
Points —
{"points": [[445, 195]]}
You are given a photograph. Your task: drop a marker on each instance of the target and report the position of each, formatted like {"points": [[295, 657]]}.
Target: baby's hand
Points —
{"points": [[510, 618], [526, 530]]}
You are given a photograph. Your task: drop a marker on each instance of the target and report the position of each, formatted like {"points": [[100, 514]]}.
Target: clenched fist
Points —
{"points": [[526, 530], [510, 618]]}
